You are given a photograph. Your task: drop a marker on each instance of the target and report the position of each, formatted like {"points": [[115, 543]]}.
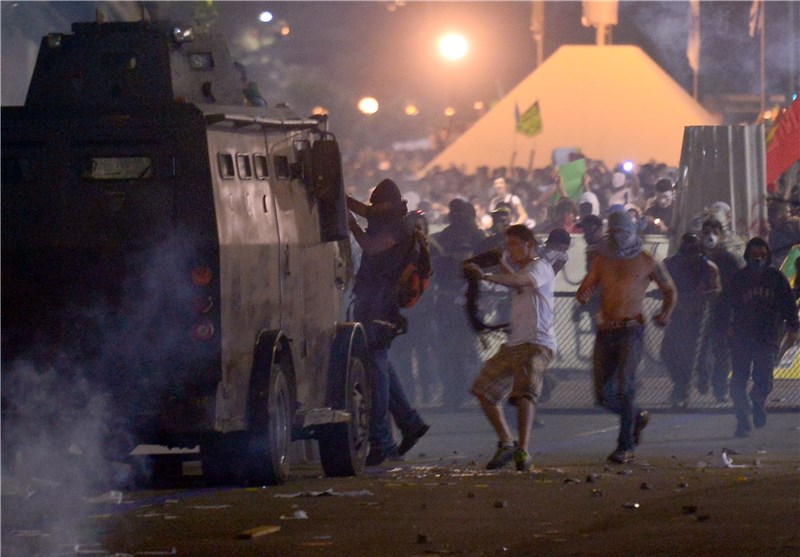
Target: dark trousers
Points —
{"points": [[617, 353], [751, 359]]}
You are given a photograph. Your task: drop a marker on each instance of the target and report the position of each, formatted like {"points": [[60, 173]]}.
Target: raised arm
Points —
{"points": [[505, 278], [357, 206], [369, 244]]}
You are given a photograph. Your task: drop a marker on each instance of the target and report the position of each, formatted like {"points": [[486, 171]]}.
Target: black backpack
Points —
{"points": [[417, 270]]}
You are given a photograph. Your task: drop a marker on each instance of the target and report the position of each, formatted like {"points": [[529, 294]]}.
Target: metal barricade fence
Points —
{"points": [[569, 382]]}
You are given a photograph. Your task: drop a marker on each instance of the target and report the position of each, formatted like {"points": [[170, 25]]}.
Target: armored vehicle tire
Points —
{"points": [[268, 446], [343, 446], [260, 456]]}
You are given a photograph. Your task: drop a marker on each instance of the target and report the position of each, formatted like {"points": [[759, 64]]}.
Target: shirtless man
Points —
{"points": [[622, 272], [503, 195]]}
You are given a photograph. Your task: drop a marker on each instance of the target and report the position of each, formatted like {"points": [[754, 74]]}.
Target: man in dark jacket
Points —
{"points": [[696, 278], [458, 350], [757, 307], [714, 364], [384, 245]]}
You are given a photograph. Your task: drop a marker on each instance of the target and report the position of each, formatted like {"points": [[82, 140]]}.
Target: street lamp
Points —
{"points": [[368, 105], [453, 46]]}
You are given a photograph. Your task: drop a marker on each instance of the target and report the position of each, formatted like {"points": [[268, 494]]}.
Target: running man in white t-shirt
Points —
{"points": [[517, 370]]}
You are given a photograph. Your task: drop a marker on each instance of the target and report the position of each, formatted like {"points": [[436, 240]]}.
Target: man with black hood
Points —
{"points": [[623, 271], [458, 350], [757, 306], [384, 245], [697, 280]]}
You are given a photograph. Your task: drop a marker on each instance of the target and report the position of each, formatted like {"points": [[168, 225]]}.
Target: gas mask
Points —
{"points": [[710, 241]]}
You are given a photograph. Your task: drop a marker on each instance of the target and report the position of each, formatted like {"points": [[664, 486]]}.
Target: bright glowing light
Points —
{"points": [[411, 110], [449, 111], [453, 46], [627, 166], [478, 105], [285, 30], [265, 17], [319, 110], [368, 105]]}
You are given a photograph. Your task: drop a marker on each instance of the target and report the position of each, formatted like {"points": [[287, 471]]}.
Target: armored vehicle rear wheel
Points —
{"points": [[268, 447], [259, 456], [343, 446]]}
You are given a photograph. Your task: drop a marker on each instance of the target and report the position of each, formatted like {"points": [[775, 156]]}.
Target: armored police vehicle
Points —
{"points": [[183, 252]]}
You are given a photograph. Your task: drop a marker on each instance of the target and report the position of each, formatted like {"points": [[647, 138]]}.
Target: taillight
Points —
{"points": [[203, 330], [201, 276], [203, 302]]}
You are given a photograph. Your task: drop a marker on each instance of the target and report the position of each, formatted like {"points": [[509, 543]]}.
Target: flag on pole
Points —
{"points": [[783, 149], [530, 122], [756, 15], [693, 44]]}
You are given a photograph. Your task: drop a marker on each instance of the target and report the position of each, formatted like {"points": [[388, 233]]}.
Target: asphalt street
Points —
{"points": [[694, 490]]}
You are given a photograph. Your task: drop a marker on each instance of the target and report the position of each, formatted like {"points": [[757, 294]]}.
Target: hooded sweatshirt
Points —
{"points": [[757, 303]]}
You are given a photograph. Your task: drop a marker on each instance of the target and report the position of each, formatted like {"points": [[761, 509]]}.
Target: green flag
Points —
{"points": [[572, 177], [787, 266], [530, 122]]}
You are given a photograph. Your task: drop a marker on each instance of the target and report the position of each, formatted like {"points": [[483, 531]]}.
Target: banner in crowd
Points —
{"points": [[530, 122], [783, 149], [572, 177]]}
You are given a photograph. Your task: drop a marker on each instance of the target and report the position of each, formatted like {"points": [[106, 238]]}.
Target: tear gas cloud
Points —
{"points": [[65, 427]]}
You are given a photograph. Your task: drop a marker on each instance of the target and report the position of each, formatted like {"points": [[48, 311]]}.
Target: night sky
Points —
{"points": [[337, 52]]}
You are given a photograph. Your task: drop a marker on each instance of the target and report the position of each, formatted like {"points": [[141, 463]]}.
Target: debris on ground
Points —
{"points": [[259, 531], [327, 493], [296, 515]]}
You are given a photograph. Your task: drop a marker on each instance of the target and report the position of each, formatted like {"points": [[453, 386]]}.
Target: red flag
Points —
{"points": [[784, 148]]}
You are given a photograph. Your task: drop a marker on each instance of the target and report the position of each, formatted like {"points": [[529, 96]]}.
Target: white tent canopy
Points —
{"points": [[613, 103]]}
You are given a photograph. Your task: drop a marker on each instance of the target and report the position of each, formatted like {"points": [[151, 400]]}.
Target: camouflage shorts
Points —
{"points": [[515, 371]]}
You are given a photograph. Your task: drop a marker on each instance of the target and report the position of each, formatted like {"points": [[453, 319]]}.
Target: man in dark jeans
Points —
{"points": [[696, 278], [622, 272], [756, 307], [384, 245], [715, 360]]}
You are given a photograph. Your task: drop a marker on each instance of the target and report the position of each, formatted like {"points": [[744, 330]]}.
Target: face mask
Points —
{"points": [[757, 263], [710, 241], [617, 180], [621, 238], [554, 256]]}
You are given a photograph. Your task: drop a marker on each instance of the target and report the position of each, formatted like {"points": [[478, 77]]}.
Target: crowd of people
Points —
{"points": [[538, 198], [721, 296]]}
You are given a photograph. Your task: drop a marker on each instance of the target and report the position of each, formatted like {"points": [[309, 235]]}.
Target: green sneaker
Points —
{"points": [[504, 455], [522, 460]]}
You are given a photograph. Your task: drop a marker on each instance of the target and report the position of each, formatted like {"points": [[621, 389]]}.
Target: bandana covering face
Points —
{"points": [[623, 242], [554, 256]]}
